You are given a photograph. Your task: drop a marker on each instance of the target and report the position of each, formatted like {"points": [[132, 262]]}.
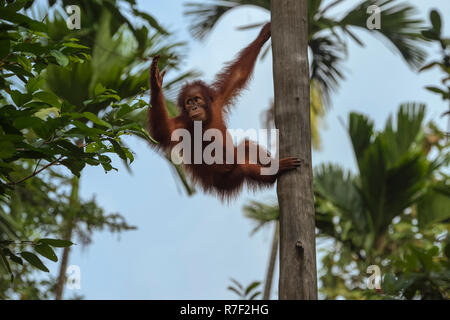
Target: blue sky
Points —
{"points": [[189, 247]]}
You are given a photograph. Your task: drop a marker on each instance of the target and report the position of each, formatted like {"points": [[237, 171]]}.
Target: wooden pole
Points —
{"points": [[298, 276]]}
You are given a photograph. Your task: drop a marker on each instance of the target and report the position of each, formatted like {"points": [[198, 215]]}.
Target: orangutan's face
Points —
{"points": [[195, 105]]}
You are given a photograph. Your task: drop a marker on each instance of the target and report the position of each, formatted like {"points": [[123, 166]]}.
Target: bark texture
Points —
{"points": [[298, 276]]}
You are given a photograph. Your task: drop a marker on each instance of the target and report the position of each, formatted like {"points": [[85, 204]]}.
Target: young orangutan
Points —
{"points": [[209, 104]]}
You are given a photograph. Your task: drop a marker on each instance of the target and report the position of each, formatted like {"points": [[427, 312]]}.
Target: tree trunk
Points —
{"points": [[272, 261], [63, 268], [298, 277], [68, 230]]}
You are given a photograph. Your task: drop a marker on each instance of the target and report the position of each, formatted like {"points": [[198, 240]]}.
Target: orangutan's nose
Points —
{"points": [[194, 107]]}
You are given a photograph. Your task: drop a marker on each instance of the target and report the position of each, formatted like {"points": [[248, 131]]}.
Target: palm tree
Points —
{"points": [[394, 173], [395, 178], [327, 38], [327, 46]]}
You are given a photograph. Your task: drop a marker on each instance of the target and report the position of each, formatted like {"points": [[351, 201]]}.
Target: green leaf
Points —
{"points": [[35, 48], [25, 63], [430, 34], [389, 281], [438, 90], [125, 109], [74, 166], [104, 159], [56, 242], [7, 149], [107, 166], [105, 97], [129, 154], [360, 131], [94, 147], [234, 290], [252, 286], [48, 97], [28, 122], [15, 258], [20, 98], [44, 130], [81, 127], [99, 89], [34, 84], [22, 20], [34, 260], [4, 48], [118, 149], [19, 71], [237, 283], [434, 206], [396, 143], [96, 120], [60, 58], [436, 21], [256, 294], [46, 251], [17, 5], [74, 45]]}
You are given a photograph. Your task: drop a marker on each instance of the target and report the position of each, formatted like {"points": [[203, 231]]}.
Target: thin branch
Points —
{"points": [[37, 165], [36, 172]]}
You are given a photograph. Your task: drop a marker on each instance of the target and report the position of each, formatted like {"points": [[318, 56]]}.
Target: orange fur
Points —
{"points": [[222, 180]]}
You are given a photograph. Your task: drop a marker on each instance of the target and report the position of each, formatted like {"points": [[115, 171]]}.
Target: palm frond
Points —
{"points": [[204, 16], [400, 139], [360, 130], [392, 168], [400, 29], [326, 69], [339, 188], [261, 213], [398, 26], [434, 206]]}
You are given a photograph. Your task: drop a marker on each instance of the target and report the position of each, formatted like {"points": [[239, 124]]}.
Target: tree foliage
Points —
{"points": [[434, 33], [47, 125], [328, 46], [393, 212]]}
